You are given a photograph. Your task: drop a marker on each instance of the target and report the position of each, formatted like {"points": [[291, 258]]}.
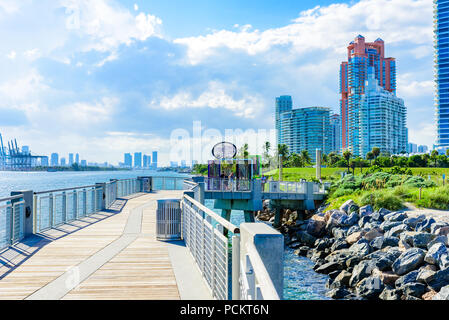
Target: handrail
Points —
{"points": [[264, 281], [64, 189], [225, 223], [12, 198]]}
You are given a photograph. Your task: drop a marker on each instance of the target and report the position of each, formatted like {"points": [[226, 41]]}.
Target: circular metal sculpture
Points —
{"points": [[224, 150]]}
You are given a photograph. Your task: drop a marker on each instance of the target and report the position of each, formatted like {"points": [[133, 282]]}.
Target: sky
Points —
{"points": [[106, 77]]}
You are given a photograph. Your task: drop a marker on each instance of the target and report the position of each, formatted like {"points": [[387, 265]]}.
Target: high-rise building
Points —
{"points": [[154, 165], [412, 148], [128, 160], [44, 162], [423, 149], [353, 76], [83, 163], [382, 120], [173, 164], [77, 158], [283, 104], [54, 160], [441, 27], [146, 161], [336, 133], [306, 129], [62, 162], [70, 159], [138, 159]]}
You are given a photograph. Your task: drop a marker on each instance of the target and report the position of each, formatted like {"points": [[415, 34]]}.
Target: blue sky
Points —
{"points": [[107, 77]]}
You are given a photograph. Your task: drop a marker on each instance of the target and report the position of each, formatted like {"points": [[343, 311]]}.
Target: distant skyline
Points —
{"points": [[110, 76]]}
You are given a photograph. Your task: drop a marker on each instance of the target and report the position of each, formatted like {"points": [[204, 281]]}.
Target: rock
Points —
{"points": [[338, 293], [318, 264], [443, 294], [302, 251], [372, 234], [334, 274], [438, 239], [384, 211], [435, 252], [412, 222], [339, 244], [306, 238], [316, 228], [370, 287], [328, 267], [414, 289], [429, 295], [356, 236], [381, 260], [407, 278], [408, 261], [361, 247], [364, 220], [443, 263], [443, 231], [395, 231], [425, 275], [377, 216], [353, 261], [339, 233], [390, 294], [420, 240], [366, 211], [409, 297], [318, 217], [388, 225], [403, 245], [390, 242], [321, 244], [353, 229], [318, 255], [349, 206], [344, 277], [387, 277], [360, 272], [436, 226], [377, 243], [424, 226], [395, 216], [439, 280], [407, 237], [353, 219]]}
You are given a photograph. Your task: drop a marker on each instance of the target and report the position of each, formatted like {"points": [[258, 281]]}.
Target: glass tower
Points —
{"points": [[283, 104], [441, 25]]}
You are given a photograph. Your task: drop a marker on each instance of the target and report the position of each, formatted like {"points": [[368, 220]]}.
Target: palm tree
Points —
{"points": [[305, 157], [370, 156], [447, 152], [324, 158], [434, 156], [347, 155], [282, 153], [267, 147], [376, 153], [244, 151]]}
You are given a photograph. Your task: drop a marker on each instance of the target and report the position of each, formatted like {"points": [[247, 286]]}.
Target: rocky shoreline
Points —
{"points": [[371, 254]]}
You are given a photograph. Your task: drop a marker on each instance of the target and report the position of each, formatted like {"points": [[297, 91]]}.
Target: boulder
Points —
{"points": [[396, 231], [406, 278], [443, 231], [439, 280], [328, 267], [353, 219], [353, 229], [366, 211], [361, 247], [424, 226], [364, 220], [388, 225], [388, 278], [318, 217], [436, 226], [377, 216], [339, 233], [384, 211], [381, 260], [339, 244], [354, 237], [316, 228], [338, 293], [429, 295], [403, 245], [395, 216], [425, 275], [321, 244], [332, 275], [377, 243], [390, 294], [370, 287], [438, 239], [306, 238], [349, 206], [302, 251], [390, 242], [360, 272], [414, 289], [372, 234], [344, 277], [422, 239], [443, 263], [435, 252], [408, 261], [443, 294], [407, 237], [412, 222]]}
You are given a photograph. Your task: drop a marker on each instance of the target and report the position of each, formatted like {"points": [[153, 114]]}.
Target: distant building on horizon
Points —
{"points": [[173, 164], [63, 162], [128, 160], [77, 158], [423, 149], [305, 129], [335, 133], [146, 161], [138, 159], [412, 148], [70, 159], [441, 24], [44, 161], [353, 76], [54, 160], [154, 164], [83, 163]]}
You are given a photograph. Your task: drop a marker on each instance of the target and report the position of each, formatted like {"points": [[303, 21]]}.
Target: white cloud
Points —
{"points": [[325, 28], [214, 97], [86, 114], [32, 54], [12, 55], [10, 6], [107, 25], [22, 89], [423, 133], [409, 87], [136, 7]]}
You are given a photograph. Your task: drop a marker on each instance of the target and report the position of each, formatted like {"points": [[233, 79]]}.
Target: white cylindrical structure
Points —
{"points": [[318, 164], [168, 219]]}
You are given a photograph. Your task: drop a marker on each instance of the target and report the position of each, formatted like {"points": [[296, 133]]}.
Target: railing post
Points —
{"points": [[64, 207], [103, 194], [29, 216], [236, 267]]}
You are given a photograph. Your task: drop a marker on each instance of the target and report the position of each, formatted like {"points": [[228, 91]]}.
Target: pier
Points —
{"points": [[99, 242]]}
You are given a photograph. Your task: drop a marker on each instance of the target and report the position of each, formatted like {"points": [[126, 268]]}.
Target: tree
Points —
{"points": [[282, 153], [305, 157], [434, 157], [347, 156], [324, 158], [376, 153], [447, 152], [244, 151], [267, 147], [295, 160], [370, 157]]}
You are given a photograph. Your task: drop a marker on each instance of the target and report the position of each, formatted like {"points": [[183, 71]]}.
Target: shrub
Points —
{"points": [[382, 199]]}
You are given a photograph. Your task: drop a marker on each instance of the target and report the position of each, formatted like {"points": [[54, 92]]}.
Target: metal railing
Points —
{"points": [[227, 185], [255, 282], [12, 220], [203, 233]]}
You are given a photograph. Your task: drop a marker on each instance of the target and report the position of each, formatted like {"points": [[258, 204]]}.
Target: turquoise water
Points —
{"points": [[300, 281]]}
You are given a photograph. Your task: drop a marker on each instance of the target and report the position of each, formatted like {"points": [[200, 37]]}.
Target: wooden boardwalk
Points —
{"points": [[132, 264]]}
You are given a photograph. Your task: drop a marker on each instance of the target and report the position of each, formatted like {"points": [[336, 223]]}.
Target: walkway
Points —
{"points": [[115, 255]]}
